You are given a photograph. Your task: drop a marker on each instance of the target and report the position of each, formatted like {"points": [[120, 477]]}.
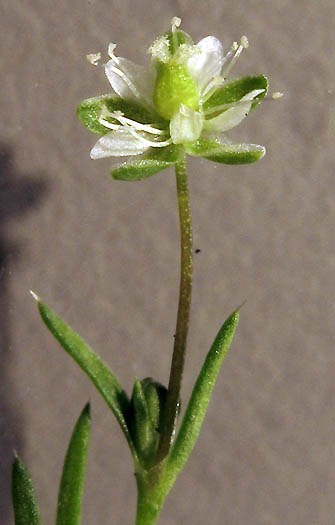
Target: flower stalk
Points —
{"points": [[183, 316]]}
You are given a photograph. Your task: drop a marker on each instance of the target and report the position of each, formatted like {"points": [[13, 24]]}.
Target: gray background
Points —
{"points": [[104, 255]]}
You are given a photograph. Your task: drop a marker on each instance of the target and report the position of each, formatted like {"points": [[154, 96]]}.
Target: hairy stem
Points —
{"points": [[185, 291]]}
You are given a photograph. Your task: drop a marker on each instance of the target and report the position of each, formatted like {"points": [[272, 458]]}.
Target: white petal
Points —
{"points": [[117, 144], [186, 126], [131, 81], [207, 62], [233, 116]]}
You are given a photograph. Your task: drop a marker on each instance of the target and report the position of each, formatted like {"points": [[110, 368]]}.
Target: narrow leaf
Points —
{"points": [[72, 482], [91, 109], [225, 151], [26, 509], [233, 91], [156, 160], [99, 373], [202, 391]]}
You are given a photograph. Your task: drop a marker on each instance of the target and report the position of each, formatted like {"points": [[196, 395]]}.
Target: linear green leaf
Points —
{"points": [[72, 482], [26, 510], [142, 430], [202, 391], [99, 373]]}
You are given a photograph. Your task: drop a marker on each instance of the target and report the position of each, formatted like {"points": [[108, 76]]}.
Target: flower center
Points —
{"points": [[174, 86]]}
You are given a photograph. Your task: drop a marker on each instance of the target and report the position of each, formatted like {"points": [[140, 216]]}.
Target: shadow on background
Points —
{"points": [[19, 194]]}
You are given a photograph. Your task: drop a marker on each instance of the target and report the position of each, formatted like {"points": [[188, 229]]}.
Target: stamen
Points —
{"points": [[222, 107], [243, 45], [131, 86], [104, 113], [175, 22], [129, 125], [158, 144], [109, 125], [123, 75], [111, 54], [230, 53], [118, 115], [229, 105], [94, 58], [211, 87]]}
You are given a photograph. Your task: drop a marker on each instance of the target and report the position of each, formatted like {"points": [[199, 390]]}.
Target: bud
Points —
{"points": [[145, 418]]}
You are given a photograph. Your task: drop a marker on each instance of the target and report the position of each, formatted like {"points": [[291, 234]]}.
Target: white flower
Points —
{"points": [[175, 89]]}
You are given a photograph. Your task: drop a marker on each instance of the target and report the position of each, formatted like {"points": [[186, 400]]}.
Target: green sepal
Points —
{"points": [[233, 91], [222, 150], [73, 475], [26, 510], [89, 112], [99, 373], [152, 162], [201, 395]]}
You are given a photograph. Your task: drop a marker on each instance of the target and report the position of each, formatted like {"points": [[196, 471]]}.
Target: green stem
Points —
{"points": [[151, 493], [147, 513], [185, 291], [154, 485]]}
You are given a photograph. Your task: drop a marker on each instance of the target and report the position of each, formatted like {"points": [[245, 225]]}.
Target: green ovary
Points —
{"points": [[174, 86]]}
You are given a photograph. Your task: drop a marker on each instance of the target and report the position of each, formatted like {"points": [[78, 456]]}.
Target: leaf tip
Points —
{"points": [[87, 410], [237, 310]]}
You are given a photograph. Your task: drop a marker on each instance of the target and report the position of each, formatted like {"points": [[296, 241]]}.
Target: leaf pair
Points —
{"points": [[140, 417], [25, 504]]}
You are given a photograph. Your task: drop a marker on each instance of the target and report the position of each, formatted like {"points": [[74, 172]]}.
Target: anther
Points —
{"points": [[277, 94], [94, 58], [175, 22], [244, 42], [243, 45], [111, 48]]}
